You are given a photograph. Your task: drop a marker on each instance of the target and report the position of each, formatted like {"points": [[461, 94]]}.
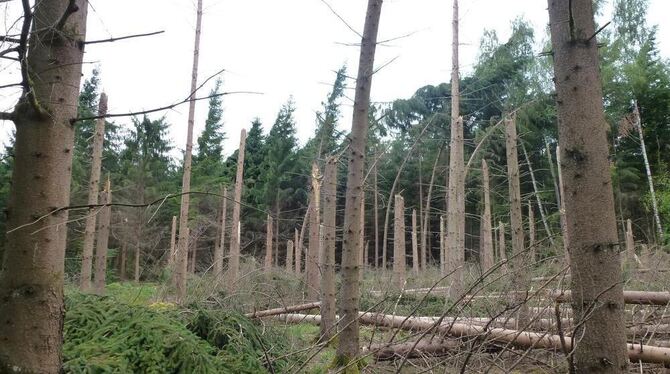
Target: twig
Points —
{"points": [[112, 40]]}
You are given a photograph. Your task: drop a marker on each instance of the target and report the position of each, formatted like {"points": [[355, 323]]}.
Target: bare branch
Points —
{"points": [[342, 19], [6, 116], [71, 8], [111, 40]]}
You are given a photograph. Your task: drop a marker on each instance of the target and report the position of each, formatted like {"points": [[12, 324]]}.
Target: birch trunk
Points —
{"points": [[589, 201], [182, 259], [93, 191]]}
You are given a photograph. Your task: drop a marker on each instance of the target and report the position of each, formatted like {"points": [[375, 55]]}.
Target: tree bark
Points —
{"points": [[531, 233], [138, 251], [502, 247], [102, 239], [122, 265], [415, 245], [31, 274], [173, 241], [486, 242], [363, 260], [589, 201], [630, 243], [234, 253], [182, 259], [268, 245], [289, 256], [348, 347], [399, 249], [312, 258], [298, 252], [93, 191], [443, 245], [564, 223], [218, 253], [540, 206], [426, 215], [376, 217], [328, 251]]}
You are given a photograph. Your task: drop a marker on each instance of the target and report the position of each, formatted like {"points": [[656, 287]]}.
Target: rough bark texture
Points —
{"points": [[531, 233], [173, 242], [399, 249], [455, 248], [596, 284], [267, 266], [426, 215], [328, 250], [363, 260], [289, 256], [102, 239], [218, 252], [93, 191], [182, 257], [31, 275], [234, 253], [348, 347], [415, 245], [312, 258], [486, 242], [561, 205], [443, 245]]}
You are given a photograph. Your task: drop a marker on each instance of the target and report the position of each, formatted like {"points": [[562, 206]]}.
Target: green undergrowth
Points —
{"points": [[106, 335]]}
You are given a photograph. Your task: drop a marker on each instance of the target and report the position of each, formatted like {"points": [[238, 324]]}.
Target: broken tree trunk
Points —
{"points": [[282, 310], [297, 251], [348, 347], [312, 258], [415, 245], [486, 259], [218, 253], [234, 252], [289, 256], [102, 239], [93, 192], [502, 247], [328, 288], [268, 245], [536, 191], [399, 243], [564, 223], [426, 215], [181, 267]]}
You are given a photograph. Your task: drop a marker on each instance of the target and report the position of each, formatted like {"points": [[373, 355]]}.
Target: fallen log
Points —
{"points": [[630, 297], [282, 310]]}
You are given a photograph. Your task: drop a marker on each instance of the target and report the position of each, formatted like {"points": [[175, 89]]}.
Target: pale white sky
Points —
{"points": [[283, 48]]}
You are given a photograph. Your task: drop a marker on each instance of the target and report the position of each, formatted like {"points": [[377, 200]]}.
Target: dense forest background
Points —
{"points": [[407, 139]]}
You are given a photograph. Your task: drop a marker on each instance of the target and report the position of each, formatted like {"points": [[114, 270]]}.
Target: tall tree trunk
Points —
{"points": [[234, 253], [502, 247], [268, 245], [415, 245], [564, 223], [173, 242], [276, 230], [399, 248], [138, 251], [348, 347], [443, 246], [193, 240], [376, 217], [486, 242], [93, 191], [552, 170], [426, 215], [298, 252], [650, 179], [456, 208], [540, 206], [218, 254], [182, 259], [531, 233], [312, 258], [122, 265], [630, 243], [289, 256], [102, 239], [589, 201], [328, 251], [521, 276], [363, 260], [31, 274]]}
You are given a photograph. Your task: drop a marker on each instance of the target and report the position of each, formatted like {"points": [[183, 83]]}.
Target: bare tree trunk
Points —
{"points": [[399, 249], [122, 265], [312, 258], [276, 251], [630, 243], [138, 251], [550, 236], [564, 223], [193, 240], [502, 247], [552, 170], [426, 215], [182, 259], [415, 245], [486, 241], [93, 191], [289, 256], [521, 276], [173, 240], [443, 246], [363, 260], [218, 253], [531, 232], [348, 347], [301, 239], [594, 259], [268, 245], [650, 179], [328, 251], [456, 209], [234, 253], [298, 252], [31, 274], [102, 239], [376, 217]]}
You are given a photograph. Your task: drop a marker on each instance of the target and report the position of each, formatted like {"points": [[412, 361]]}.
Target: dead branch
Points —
{"points": [[283, 310], [112, 40]]}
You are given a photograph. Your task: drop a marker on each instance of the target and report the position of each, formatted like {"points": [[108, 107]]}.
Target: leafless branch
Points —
{"points": [[111, 40], [6, 116], [69, 10], [342, 19]]}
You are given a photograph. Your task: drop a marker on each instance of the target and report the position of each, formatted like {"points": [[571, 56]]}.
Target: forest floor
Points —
{"points": [[136, 327]]}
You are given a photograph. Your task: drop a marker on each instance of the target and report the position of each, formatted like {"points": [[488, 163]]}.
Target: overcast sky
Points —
{"points": [[283, 48]]}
